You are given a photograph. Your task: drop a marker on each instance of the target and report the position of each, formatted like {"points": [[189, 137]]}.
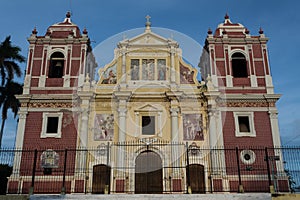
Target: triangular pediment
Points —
{"points": [[147, 108], [148, 38]]}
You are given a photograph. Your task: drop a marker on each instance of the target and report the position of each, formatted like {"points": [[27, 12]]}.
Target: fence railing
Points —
{"points": [[157, 167]]}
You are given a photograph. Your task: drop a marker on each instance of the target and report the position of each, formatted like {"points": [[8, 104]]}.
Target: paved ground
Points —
{"points": [[251, 196]]}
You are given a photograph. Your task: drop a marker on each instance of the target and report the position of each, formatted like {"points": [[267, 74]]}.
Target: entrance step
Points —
{"points": [[247, 196]]}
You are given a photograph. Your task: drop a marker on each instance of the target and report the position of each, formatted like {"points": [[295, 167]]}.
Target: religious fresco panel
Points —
{"points": [[110, 75], [104, 127], [186, 75], [193, 127], [135, 69]]}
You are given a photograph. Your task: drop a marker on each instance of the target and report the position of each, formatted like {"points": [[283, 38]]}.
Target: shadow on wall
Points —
{"points": [[285, 196]]}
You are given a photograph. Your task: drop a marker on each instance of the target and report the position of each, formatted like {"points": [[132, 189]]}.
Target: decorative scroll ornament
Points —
{"points": [[50, 105], [49, 159]]}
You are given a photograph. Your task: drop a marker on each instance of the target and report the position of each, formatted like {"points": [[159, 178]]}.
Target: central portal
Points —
{"points": [[148, 173]]}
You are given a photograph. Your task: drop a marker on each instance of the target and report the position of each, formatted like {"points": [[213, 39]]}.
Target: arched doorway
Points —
{"points": [[101, 177], [197, 180], [148, 173]]}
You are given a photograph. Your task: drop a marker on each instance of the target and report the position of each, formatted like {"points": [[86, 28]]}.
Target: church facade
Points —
{"points": [[147, 125]]}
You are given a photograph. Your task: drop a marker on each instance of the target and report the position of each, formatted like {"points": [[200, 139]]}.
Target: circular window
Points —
{"points": [[247, 157]]}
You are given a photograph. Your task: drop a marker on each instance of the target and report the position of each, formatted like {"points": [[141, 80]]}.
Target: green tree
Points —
{"points": [[8, 100], [9, 58], [5, 171]]}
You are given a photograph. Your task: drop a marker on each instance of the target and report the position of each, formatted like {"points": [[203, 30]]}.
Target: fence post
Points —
{"points": [[241, 189], [31, 189], [63, 189], [188, 177], [107, 184], [268, 168]]}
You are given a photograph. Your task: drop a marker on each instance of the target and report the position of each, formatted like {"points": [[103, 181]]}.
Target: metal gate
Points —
{"points": [[148, 173]]}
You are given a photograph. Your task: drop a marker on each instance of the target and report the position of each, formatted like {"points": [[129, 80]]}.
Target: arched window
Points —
{"points": [[239, 65], [56, 65]]}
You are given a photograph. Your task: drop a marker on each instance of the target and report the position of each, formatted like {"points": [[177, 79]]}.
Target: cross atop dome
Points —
{"points": [[148, 23]]}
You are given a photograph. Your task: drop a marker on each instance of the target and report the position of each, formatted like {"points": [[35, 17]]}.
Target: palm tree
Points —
{"points": [[8, 100], [9, 56]]}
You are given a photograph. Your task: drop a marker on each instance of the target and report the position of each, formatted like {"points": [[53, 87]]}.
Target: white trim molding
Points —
{"points": [[44, 133], [250, 115], [247, 157]]}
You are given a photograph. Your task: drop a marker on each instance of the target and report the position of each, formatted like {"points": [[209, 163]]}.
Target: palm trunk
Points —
{"points": [[1, 132]]}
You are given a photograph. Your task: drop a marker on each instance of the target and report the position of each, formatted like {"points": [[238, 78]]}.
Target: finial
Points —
{"points": [[226, 16], [148, 23], [87, 78], [84, 31], [261, 31], [68, 15], [247, 31], [48, 33], [34, 31], [209, 31]]}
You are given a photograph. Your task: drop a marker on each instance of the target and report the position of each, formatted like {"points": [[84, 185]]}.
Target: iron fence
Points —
{"points": [[150, 167]]}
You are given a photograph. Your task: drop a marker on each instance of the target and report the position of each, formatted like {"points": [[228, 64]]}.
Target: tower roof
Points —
{"points": [[230, 29], [64, 29]]}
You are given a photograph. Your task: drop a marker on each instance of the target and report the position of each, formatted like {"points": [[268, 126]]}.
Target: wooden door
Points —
{"points": [[101, 177], [148, 173], [197, 179]]}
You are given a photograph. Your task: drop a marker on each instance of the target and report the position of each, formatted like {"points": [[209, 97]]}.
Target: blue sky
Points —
{"points": [[279, 19]]}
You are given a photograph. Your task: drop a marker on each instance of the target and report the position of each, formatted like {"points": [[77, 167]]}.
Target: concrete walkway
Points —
{"points": [[248, 196]]}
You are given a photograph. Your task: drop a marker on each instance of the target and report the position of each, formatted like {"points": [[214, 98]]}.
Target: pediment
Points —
{"points": [[147, 108], [148, 39]]}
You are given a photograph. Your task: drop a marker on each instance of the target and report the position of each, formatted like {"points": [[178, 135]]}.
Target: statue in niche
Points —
{"points": [[161, 68], [148, 69], [135, 68]]}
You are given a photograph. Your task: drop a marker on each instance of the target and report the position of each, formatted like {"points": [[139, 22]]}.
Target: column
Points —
{"points": [[120, 174], [124, 76], [137, 123], [122, 135], [83, 140], [175, 151], [273, 115], [213, 141], [174, 124], [159, 124], [212, 128], [220, 162], [84, 128], [173, 74], [19, 141]]}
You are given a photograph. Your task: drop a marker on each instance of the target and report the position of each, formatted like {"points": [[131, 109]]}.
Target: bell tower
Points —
{"points": [[237, 65], [238, 61], [56, 67], [57, 59]]}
